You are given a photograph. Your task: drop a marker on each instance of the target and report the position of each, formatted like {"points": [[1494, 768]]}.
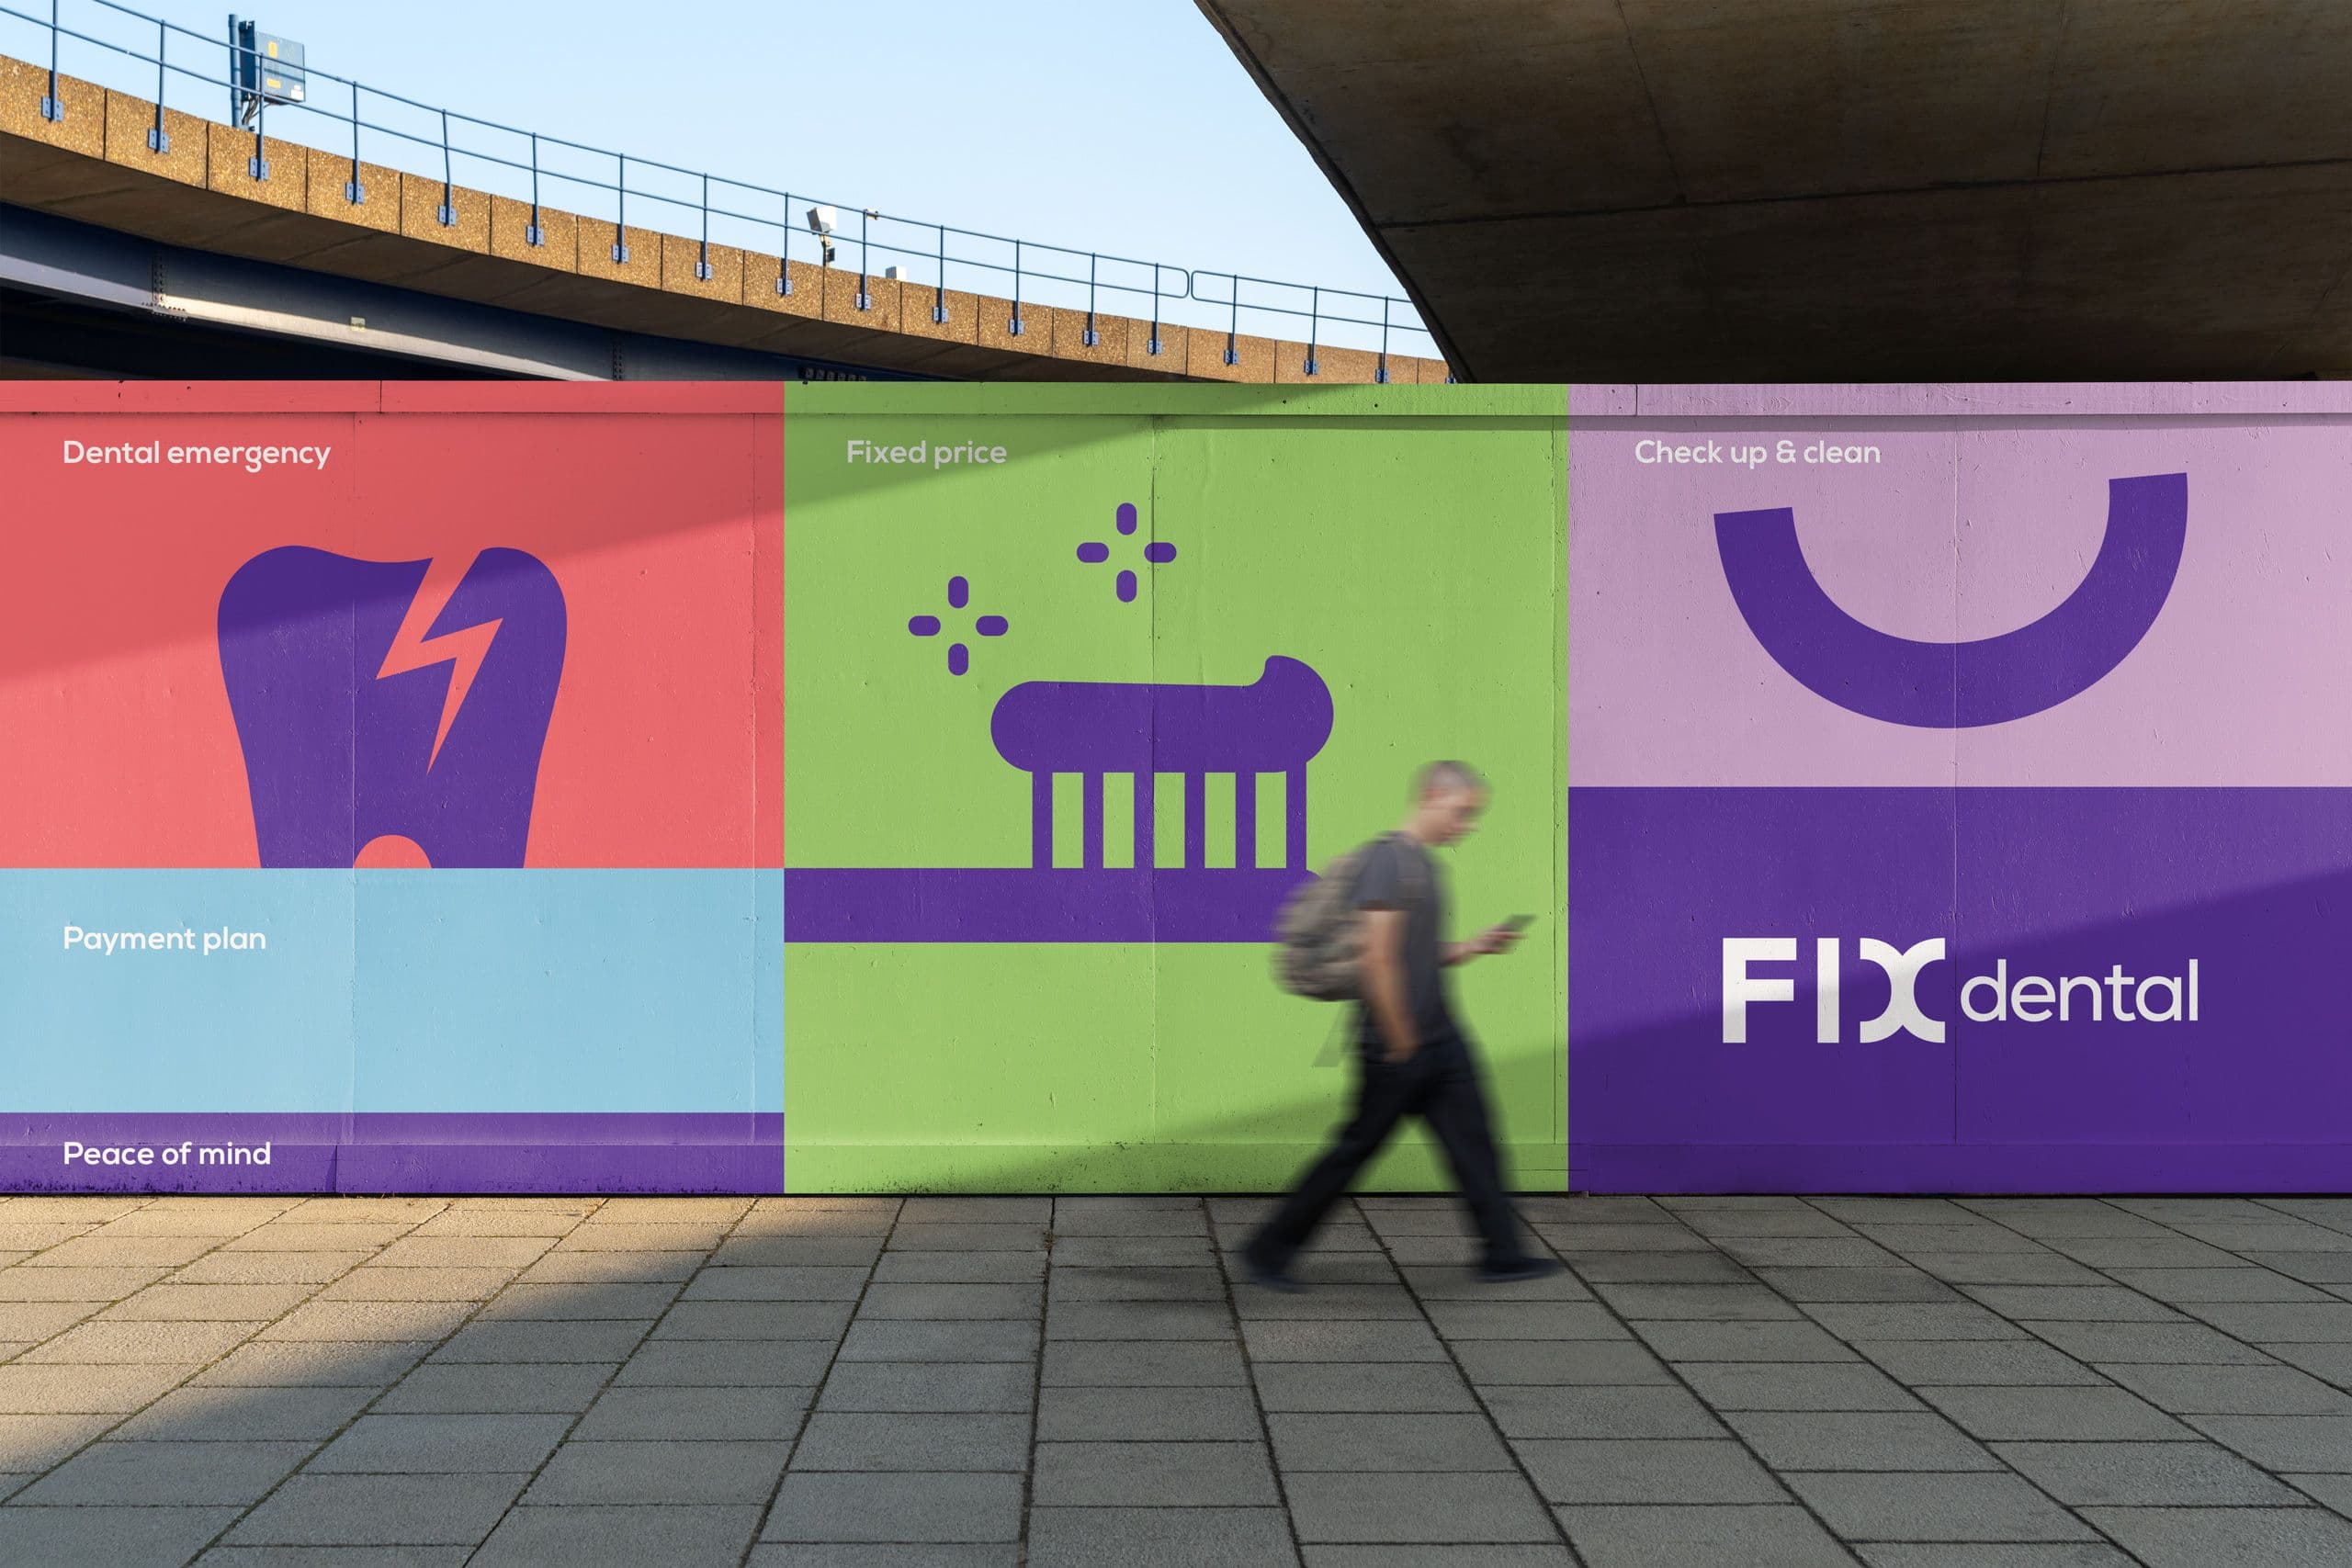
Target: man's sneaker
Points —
{"points": [[1267, 1279], [1518, 1269]]}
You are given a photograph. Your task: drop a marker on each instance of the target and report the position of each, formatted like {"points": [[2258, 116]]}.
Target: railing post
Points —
{"points": [[784, 252], [865, 221], [259, 166], [939, 289], [159, 139], [1014, 326], [1314, 324], [1151, 345], [352, 191], [449, 212], [1380, 373], [1233, 325], [620, 215], [1090, 337], [52, 106], [702, 265], [534, 234]]}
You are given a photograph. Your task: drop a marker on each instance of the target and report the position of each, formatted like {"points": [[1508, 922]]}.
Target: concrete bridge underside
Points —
{"points": [[1770, 190]]}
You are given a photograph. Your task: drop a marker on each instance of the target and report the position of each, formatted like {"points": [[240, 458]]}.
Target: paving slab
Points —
{"points": [[1689, 1472], [377, 1510], [441, 1445], [1339, 1386], [859, 1441], [1160, 1537], [1454, 1554], [2203, 1538], [926, 1339], [1796, 1386], [948, 1268], [1893, 1439], [1983, 1363], [2066, 1414], [524, 1389], [1502, 1319], [1154, 1475], [1433, 1508], [695, 1415], [660, 1473], [213, 1414], [1599, 1412], [1739, 1536], [1990, 1555], [1169, 1414], [165, 1473], [2232, 1391], [2146, 1474], [1792, 1341], [675, 1536], [1486, 1361], [719, 1363], [1172, 1363], [1935, 1507], [900, 1507], [114, 1537], [925, 1387], [2281, 1443], [1361, 1443], [313, 1364]]}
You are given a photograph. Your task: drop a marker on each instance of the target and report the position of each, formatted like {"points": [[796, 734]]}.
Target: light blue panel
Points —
{"points": [[264, 1030], [767, 1007], [569, 990]]}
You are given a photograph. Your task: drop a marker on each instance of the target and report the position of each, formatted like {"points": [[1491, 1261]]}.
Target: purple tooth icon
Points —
{"points": [[361, 720]]}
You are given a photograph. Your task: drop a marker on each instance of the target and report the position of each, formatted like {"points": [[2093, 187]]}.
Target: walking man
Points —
{"points": [[1414, 1056]]}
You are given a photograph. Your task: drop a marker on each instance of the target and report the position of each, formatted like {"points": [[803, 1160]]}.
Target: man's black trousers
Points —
{"points": [[1439, 1083]]}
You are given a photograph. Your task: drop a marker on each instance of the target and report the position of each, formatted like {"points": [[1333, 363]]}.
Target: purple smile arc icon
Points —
{"points": [[1961, 685]]}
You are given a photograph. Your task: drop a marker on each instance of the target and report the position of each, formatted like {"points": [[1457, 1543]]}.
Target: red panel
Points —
{"points": [[664, 533]]}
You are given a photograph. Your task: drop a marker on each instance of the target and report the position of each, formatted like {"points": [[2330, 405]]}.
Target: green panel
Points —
{"points": [[1408, 544], [887, 761], [1119, 821], [1268, 850]]}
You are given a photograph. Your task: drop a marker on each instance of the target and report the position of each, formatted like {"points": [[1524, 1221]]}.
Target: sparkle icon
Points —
{"points": [[960, 597], [1156, 552]]}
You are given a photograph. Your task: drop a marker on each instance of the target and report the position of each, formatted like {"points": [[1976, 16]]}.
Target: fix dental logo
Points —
{"points": [[1992, 997]]}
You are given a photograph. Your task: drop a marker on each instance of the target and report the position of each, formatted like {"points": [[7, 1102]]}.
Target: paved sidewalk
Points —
{"points": [[870, 1382]]}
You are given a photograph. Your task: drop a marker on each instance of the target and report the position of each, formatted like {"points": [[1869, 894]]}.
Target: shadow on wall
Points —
{"points": [[1260, 1150]]}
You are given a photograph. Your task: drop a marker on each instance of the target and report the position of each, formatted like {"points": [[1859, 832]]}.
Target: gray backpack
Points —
{"points": [[1319, 933]]}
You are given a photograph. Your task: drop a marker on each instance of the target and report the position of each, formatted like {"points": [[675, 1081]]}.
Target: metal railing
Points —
{"points": [[763, 221]]}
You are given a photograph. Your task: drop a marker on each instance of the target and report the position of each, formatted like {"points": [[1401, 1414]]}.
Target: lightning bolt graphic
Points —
{"points": [[463, 651]]}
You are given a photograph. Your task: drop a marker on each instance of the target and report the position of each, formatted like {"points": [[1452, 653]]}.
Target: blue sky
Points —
{"points": [[1125, 126]]}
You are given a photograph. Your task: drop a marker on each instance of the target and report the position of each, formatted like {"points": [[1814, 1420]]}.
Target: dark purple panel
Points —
{"points": [[2106, 887]]}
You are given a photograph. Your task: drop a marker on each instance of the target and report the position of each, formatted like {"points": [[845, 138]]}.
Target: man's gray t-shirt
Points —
{"points": [[1399, 873]]}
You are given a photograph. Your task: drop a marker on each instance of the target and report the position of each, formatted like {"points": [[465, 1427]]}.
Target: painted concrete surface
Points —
{"points": [[1896, 1383], [1884, 700]]}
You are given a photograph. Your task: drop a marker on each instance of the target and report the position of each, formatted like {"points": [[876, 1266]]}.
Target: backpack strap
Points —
{"points": [[1414, 858]]}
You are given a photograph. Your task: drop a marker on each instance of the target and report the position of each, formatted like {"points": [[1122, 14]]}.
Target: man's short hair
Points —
{"points": [[1446, 775]]}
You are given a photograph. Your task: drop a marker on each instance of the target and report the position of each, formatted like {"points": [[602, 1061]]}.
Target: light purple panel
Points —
{"points": [[2059, 677]]}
